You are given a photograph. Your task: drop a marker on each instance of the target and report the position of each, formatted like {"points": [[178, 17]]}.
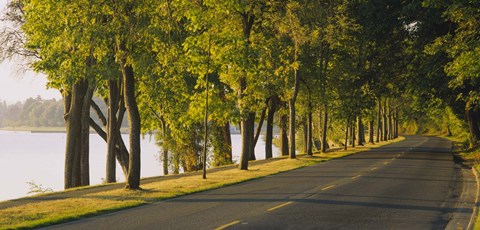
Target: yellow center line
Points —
{"points": [[228, 225], [328, 187], [279, 206], [355, 177], [386, 163], [373, 168]]}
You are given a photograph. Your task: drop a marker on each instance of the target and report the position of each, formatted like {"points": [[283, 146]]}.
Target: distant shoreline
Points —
{"points": [[35, 129], [63, 130], [45, 129]]}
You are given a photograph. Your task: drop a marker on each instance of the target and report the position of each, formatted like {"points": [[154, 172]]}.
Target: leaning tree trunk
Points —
{"points": [[133, 178], [259, 127], [121, 151]]}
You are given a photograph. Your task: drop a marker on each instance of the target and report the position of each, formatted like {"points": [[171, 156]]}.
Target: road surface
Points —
{"points": [[412, 184]]}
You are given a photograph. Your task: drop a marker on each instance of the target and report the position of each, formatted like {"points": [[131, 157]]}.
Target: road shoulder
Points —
{"points": [[466, 205]]}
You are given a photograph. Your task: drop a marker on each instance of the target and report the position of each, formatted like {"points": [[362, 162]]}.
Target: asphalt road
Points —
{"points": [[412, 184]]}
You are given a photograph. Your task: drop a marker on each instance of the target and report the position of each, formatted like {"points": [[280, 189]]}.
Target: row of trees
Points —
{"points": [[302, 65]]}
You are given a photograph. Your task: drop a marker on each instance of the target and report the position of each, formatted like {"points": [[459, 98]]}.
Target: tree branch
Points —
{"points": [[99, 112], [259, 127], [98, 129]]}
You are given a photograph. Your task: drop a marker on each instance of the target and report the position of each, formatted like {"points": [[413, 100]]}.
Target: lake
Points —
{"points": [[39, 157]]}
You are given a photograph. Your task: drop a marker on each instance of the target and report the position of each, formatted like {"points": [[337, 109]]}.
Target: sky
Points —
{"points": [[17, 85]]}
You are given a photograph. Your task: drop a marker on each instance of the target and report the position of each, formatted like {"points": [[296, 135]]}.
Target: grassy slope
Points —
{"points": [[47, 212], [471, 155]]}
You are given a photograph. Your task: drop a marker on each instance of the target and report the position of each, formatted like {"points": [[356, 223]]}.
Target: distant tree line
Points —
{"points": [[33, 112], [39, 112]]}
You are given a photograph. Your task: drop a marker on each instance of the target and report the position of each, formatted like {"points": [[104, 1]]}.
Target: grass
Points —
{"points": [[469, 154], [46, 212]]}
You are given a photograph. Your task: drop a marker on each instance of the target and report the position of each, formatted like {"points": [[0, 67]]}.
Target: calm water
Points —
{"points": [[39, 157]]}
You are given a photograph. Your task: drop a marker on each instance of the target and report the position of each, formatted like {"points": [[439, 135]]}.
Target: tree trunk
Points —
{"points": [[370, 132], [385, 125], [472, 119], [292, 123], [353, 132], [291, 130], [259, 127], [122, 155], [360, 131], [247, 132], [121, 152], [133, 178], [284, 135], [390, 125], [223, 141], [251, 138], [396, 123], [227, 138], [248, 20], [272, 103], [379, 120], [305, 135], [222, 144], [74, 130], [176, 163], [247, 121], [85, 137], [324, 130], [310, 131], [164, 146], [113, 99], [346, 135]]}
